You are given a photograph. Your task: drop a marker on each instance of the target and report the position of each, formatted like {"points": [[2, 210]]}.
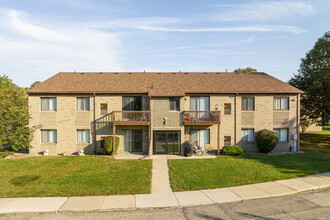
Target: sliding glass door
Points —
{"points": [[167, 142], [198, 138], [132, 103], [199, 103], [132, 140]]}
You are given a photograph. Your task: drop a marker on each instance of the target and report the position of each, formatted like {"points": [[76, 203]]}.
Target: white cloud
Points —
{"points": [[250, 28], [29, 49], [262, 11]]}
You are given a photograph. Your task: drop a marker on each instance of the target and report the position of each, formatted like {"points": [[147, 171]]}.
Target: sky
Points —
{"points": [[39, 38]]}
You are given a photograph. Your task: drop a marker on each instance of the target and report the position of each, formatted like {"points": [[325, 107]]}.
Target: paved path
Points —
{"points": [[166, 198], [160, 176], [313, 204]]}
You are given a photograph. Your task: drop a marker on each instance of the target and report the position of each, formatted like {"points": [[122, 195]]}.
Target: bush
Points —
{"points": [[107, 144], [266, 140], [232, 150], [5, 153]]}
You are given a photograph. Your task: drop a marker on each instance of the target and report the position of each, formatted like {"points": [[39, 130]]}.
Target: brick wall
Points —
{"points": [[67, 119]]}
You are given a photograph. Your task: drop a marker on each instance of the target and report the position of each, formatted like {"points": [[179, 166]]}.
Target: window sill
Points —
{"points": [[247, 110], [281, 109], [49, 143]]}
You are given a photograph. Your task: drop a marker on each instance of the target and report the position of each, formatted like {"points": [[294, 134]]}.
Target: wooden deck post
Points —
{"points": [[113, 134], [218, 138]]}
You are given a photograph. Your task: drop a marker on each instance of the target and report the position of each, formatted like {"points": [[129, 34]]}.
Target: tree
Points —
{"points": [[314, 79], [14, 116], [246, 70], [35, 84]]}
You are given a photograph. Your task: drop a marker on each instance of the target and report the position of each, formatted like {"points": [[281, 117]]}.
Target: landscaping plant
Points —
{"points": [[266, 140], [232, 150], [107, 144]]}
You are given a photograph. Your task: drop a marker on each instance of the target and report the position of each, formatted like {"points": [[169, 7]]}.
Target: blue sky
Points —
{"points": [[39, 38]]}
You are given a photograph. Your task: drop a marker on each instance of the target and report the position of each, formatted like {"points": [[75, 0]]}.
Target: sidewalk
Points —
{"points": [[164, 199]]}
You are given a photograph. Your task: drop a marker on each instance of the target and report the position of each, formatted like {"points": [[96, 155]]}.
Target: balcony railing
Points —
{"points": [[131, 117], [201, 117]]}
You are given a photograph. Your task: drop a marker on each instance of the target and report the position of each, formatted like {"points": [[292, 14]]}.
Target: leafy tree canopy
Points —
{"points": [[35, 84], [246, 70], [314, 79], [14, 115]]}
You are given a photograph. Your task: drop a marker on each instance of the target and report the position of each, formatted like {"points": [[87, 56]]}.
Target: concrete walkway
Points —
{"points": [[165, 199], [160, 176]]}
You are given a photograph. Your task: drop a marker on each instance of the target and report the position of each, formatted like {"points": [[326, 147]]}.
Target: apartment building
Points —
{"points": [[155, 113]]}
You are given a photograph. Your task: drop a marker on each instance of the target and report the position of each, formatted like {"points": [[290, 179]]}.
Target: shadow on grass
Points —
{"points": [[24, 180], [315, 160]]}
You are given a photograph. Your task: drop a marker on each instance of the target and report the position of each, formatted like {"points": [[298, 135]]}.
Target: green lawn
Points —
{"points": [[248, 169], [73, 176]]}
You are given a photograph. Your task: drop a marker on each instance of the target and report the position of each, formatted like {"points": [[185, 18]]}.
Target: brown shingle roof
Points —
{"points": [[163, 84]]}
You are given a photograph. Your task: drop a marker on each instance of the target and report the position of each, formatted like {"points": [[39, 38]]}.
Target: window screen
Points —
{"points": [[227, 109]]}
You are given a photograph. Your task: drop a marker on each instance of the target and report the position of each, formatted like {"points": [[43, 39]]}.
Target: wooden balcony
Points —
{"points": [[201, 117], [131, 117]]}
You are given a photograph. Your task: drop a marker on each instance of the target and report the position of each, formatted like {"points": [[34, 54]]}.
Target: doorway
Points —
{"points": [[167, 142]]}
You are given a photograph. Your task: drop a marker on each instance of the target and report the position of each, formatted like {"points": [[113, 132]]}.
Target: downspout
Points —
{"points": [[94, 124], [150, 128], [235, 121]]}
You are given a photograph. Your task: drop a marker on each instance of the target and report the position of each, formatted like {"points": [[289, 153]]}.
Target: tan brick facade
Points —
{"points": [[67, 119]]}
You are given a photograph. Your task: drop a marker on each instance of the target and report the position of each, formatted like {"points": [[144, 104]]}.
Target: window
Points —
{"points": [[199, 138], [104, 108], [281, 103], [227, 140], [282, 134], [83, 136], [247, 135], [132, 103], [227, 109], [48, 104], [175, 103], [132, 140], [48, 136], [199, 103], [83, 103], [248, 103]]}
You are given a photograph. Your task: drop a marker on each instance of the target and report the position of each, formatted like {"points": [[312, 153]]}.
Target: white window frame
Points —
{"points": [[50, 136], [279, 132], [85, 107], [52, 104], [247, 135], [85, 138]]}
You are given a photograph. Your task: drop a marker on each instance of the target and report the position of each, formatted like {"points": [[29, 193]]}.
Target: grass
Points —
{"points": [[73, 176], [228, 171]]}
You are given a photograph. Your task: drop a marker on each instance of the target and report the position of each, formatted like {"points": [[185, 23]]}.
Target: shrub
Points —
{"points": [[5, 153], [107, 144], [266, 140], [232, 150]]}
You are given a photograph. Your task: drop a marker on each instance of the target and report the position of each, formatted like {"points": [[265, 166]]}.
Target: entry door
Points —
{"points": [[167, 142]]}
